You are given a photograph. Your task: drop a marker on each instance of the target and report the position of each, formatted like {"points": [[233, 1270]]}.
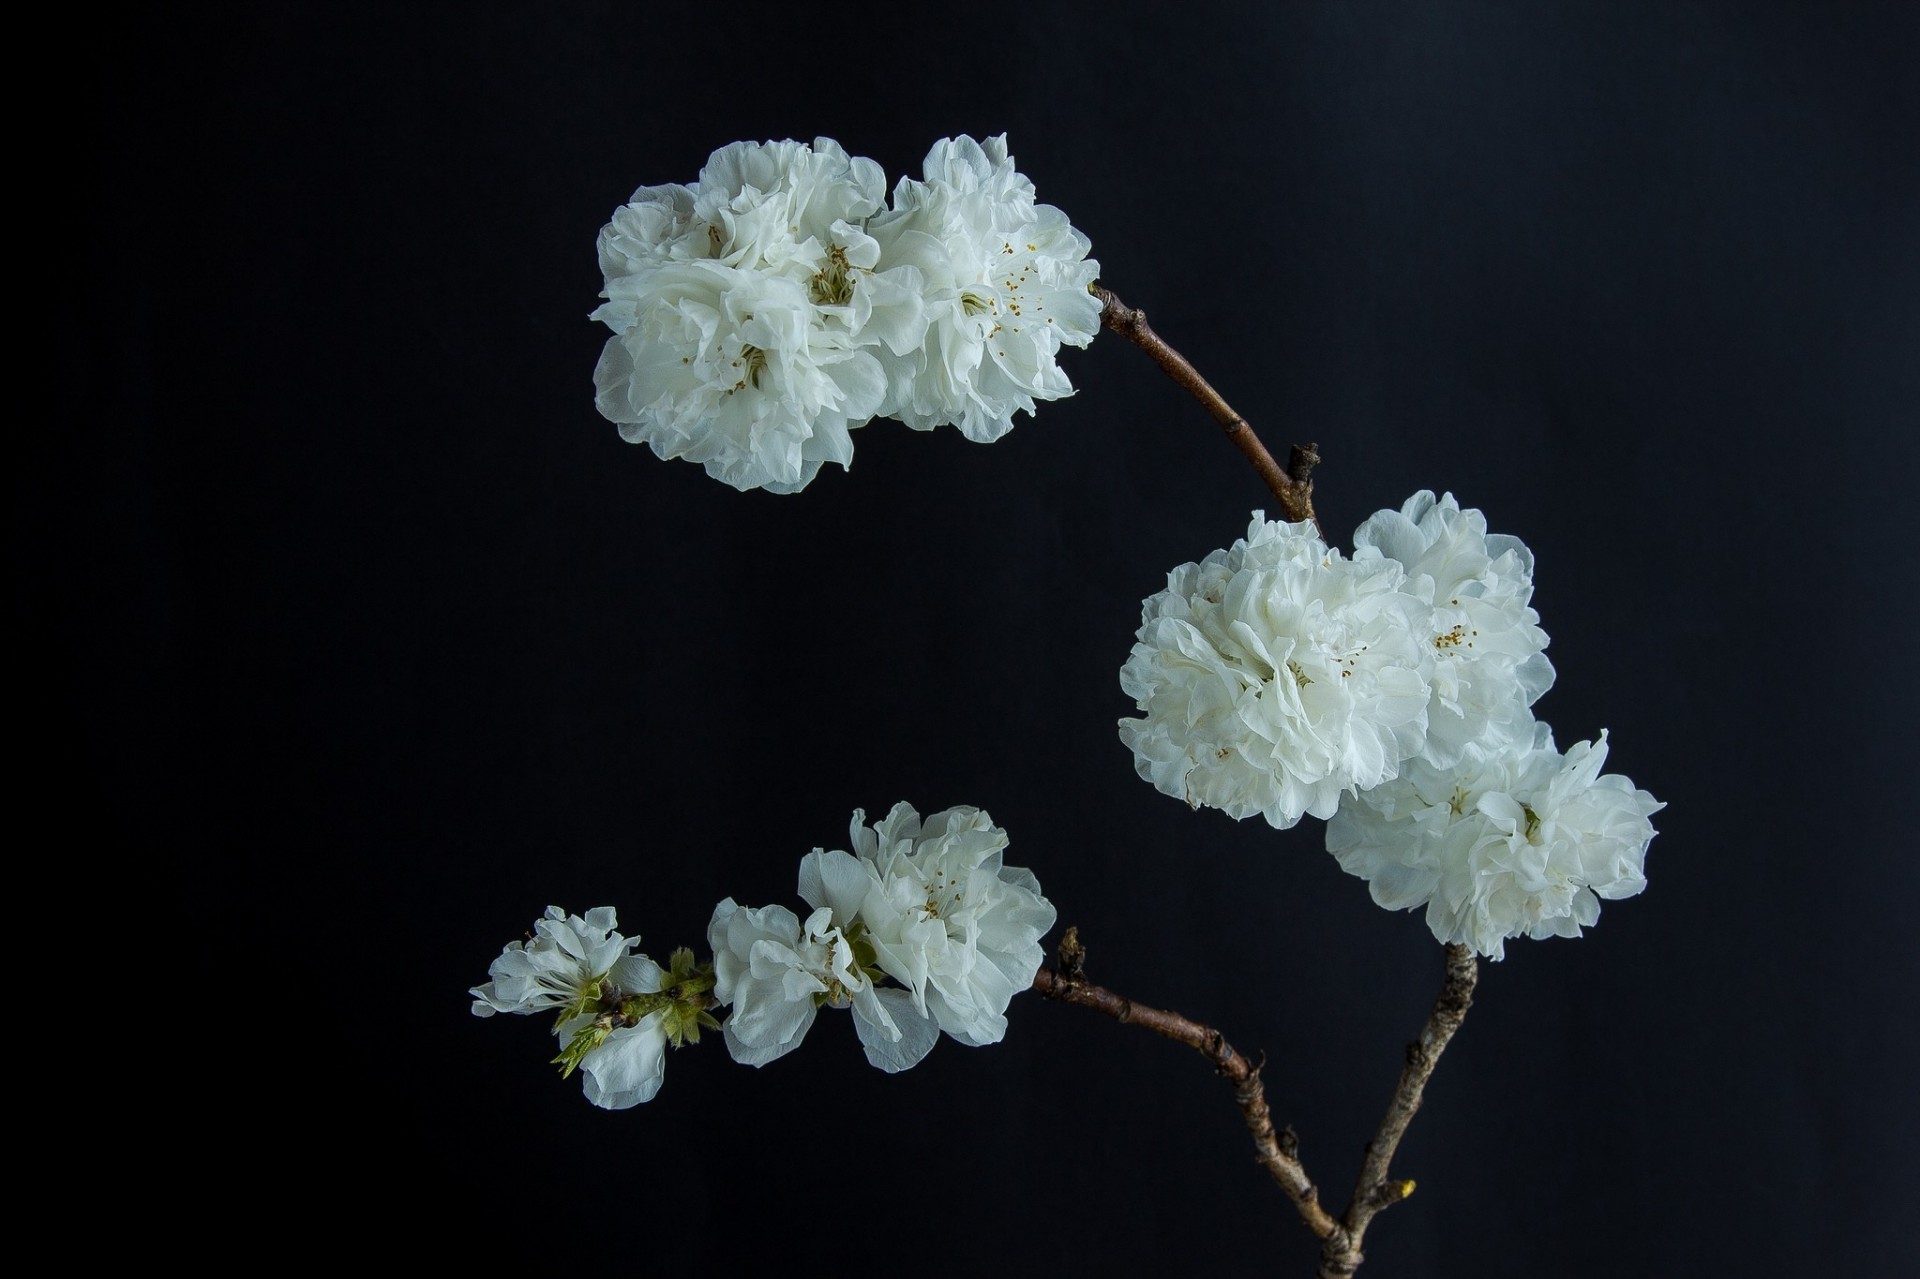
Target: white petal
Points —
{"points": [[913, 1032], [628, 1066]]}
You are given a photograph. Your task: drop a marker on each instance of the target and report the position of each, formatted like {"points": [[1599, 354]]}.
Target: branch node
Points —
{"points": [[1300, 463], [1388, 1193], [1072, 956]]}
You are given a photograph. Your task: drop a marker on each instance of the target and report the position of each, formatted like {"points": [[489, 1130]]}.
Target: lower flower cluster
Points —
{"points": [[613, 1018], [920, 929], [928, 904]]}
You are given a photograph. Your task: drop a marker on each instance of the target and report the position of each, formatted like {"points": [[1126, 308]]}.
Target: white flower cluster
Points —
{"points": [[1391, 692], [763, 313], [930, 905], [1489, 663], [1277, 674], [927, 905], [1522, 843], [582, 970]]}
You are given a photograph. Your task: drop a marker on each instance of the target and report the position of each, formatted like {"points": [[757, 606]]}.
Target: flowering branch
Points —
{"points": [[1276, 1152], [1292, 487], [1388, 693], [1341, 1255]]}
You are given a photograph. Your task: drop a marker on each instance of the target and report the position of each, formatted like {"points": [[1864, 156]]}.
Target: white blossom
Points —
{"points": [[1005, 284], [627, 1065], [1488, 665], [777, 972], [1276, 674], [747, 310], [1523, 843], [946, 918], [562, 967], [579, 967]]}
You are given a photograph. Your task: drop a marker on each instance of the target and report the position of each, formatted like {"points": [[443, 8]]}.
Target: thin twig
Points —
{"points": [[1340, 1255], [1276, 1152], [1293, 487]]}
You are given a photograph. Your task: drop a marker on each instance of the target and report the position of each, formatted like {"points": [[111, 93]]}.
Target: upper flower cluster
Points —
{"points": [[1005, 283], [928, 904], [763, 313], [1391, 692]]}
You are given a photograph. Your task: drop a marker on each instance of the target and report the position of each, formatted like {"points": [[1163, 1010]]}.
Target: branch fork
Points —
{"points": [[1279, 1151]]}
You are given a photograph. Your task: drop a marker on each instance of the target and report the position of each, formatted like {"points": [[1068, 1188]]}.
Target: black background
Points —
{"points": [[368, 638]]}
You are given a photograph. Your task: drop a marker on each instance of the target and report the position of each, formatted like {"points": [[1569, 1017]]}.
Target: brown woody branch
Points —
{"points": [[1276, 1152], [1292, 487], [1340, 1254]]}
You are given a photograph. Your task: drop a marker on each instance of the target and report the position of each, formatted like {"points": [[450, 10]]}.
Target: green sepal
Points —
{"points": [[866, 959], [685, 978], [682, 1024], [684, 1000], [586, 1000], [635, 1007], [584, 1041]]}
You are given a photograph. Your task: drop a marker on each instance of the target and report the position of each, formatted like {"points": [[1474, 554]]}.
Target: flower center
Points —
{"points": [[752, 363], [833, 283]]}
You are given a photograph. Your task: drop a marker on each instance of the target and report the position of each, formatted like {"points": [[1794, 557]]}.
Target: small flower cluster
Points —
{"points": [[928, 905], [1390, 692], [616, 1011], [766, 311]]}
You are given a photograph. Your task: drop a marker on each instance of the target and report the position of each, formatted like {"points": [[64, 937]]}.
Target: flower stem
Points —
{"points": [[1292, 487]]}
